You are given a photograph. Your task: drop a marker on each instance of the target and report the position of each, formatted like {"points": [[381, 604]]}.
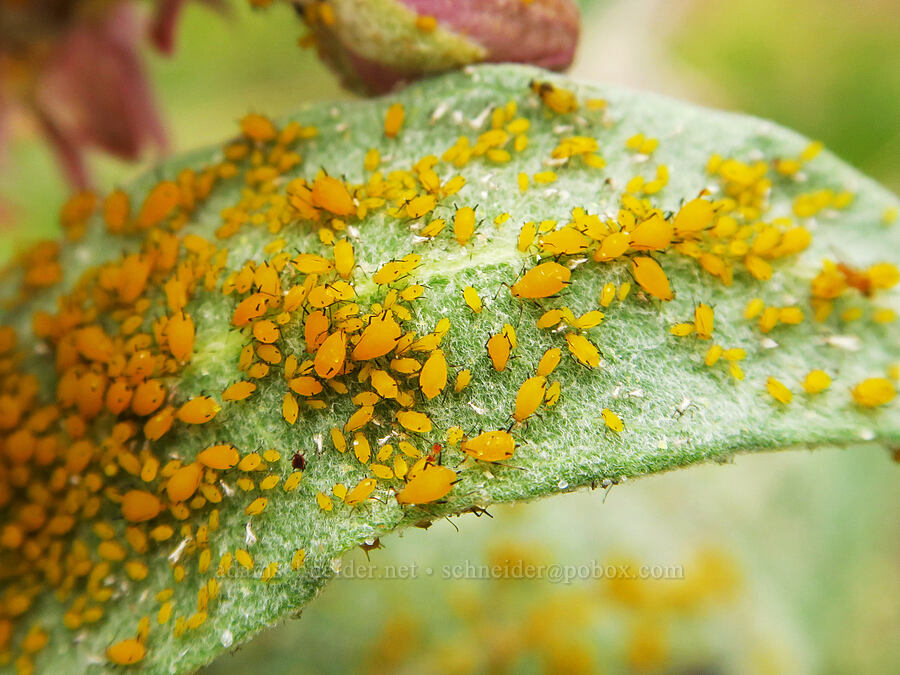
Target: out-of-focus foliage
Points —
{"points": [[800, 544], [829, 68]]}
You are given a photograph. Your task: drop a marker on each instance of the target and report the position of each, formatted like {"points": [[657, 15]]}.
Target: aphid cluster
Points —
{"points": [[86, 490]]}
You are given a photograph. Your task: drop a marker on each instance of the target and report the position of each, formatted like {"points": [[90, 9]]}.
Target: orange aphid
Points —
{"points": [[159, 205], [148, 396], [654, 234], [126, 652], [266, 331], [332, 195], [118, 396], [157, 426], [414, 421], [542, 281], [330, 356], [427, 485], [378, 338], [529, 397], [184, 482], [198, 410], [650, 276], [116, 211], [258, 128], [499, 349], [139, 506], [219, 457], [251, 307], [490, 446], [133, 276], [612, 247], [238, 391], [180, 332], [433, 376]]}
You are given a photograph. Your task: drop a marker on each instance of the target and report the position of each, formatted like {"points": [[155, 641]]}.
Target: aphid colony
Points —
{"points": [[86, 490]]}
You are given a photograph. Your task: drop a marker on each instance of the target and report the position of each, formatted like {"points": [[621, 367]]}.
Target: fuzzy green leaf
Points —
{"points": [[676, 410]]}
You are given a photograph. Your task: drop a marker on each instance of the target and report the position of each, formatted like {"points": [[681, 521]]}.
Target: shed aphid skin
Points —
{"points": [[162, 354]]}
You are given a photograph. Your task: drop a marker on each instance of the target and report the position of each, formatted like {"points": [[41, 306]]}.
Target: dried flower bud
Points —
{"points": [[376, 44]]}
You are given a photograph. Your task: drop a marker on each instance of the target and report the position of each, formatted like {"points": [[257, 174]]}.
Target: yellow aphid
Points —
{"points": [[257, 506], [378, 338], [778, 391], [874, 392], [612, 421], [754, 308], [126, 652], [790, 315], [713, 354], [549, 361], [490, 446], [550, 318], [816, 381], [583, 350], [559, 100], [588, 320], [565, 241], [704, 321], [526, 236], [499, 349], [383, 384], [361, 492], [682, 329], [470, 295], [244, 559], [330, 356], [420, 206], [650, 276], [542, 281], [463, 378], [289, 408], [428, 485], [360, 418], [693, 217], [464, 225], [433, 376], [551, 396], [393, 120], [324, 501], [258, 128], [343, 258], [372, 159], [529, 397], [412, 420], [768, 319], [654, 234]]}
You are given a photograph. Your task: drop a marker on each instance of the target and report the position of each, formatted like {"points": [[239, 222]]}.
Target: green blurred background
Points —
{"points": [[789, 563]]}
